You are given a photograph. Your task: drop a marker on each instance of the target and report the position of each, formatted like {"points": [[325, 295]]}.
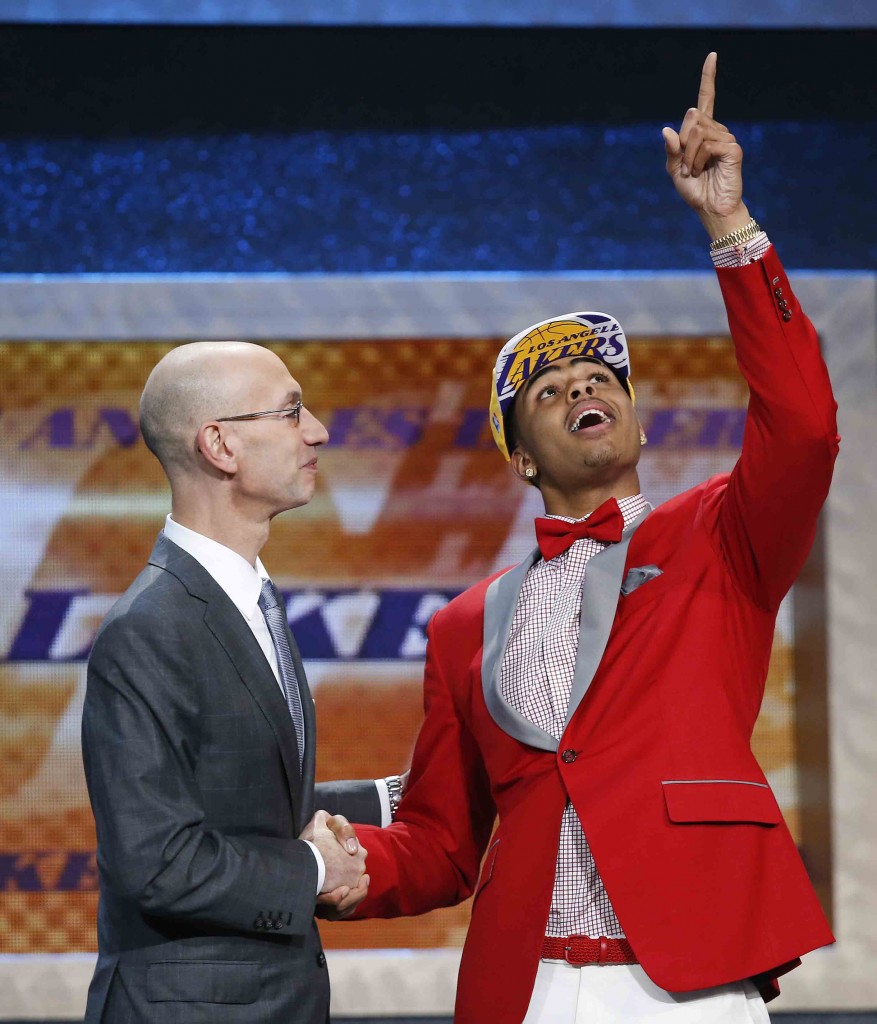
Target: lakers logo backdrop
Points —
{"points": [[413, 504]]}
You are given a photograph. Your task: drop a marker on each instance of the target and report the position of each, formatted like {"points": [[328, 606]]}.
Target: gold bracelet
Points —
{"points": [[738, 237]]}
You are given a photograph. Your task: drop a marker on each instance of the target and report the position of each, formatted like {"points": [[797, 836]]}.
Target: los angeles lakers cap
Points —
{"points": [[594, 335]]}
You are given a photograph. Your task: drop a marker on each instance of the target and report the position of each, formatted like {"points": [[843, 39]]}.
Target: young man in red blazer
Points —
{"points": [[599, 698]]}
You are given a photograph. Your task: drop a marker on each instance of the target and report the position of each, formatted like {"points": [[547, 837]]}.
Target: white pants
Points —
{"points": [[623, 994]]}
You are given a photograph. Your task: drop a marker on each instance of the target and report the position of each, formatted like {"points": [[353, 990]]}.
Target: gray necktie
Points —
{"points": [[275, 619]]}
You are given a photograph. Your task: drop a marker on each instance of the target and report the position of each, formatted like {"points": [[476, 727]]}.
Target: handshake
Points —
{"points": [[346, 884]]}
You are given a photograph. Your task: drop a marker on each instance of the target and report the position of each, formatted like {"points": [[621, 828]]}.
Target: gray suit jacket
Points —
{"points": [[206, 896]]}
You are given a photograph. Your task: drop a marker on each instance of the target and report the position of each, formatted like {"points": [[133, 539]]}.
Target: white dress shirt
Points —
{"points": [[240, 581]]}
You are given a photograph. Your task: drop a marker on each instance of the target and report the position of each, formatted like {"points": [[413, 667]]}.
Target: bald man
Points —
{"points": [[198, 730]]}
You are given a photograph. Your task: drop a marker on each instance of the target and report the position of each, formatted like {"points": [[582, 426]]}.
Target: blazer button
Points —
{"points": [[783, 304], [778, 292], [787, 315], [321, 959], [259, 923], [568, 756]]}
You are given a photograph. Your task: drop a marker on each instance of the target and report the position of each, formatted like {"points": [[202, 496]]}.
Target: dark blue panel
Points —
{"points": [[745, 13], [561, 198]]}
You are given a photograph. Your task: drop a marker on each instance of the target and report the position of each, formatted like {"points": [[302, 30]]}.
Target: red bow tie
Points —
{"points": [[554, 536]]}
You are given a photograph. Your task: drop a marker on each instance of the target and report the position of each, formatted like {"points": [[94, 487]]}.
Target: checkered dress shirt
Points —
{"points": [[537, 672], [740, 255]]}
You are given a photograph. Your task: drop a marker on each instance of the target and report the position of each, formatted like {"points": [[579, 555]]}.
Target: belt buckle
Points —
{"points": [[569, 956], [602, 955]]}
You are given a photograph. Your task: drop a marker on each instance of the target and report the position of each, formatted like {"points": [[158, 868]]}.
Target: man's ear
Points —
{"points": [[216, 446], [523, 467]]}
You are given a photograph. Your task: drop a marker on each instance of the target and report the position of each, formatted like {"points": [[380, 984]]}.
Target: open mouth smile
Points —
{"points": [[589, 418]]}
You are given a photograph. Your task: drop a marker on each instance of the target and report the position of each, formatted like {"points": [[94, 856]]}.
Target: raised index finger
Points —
{"points": [[706, 96]]}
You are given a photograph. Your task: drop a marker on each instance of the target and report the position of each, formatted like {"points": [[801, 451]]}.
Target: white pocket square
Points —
{"points": [[638, 576]]}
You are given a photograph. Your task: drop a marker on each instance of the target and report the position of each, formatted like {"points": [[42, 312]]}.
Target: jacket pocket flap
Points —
{"points": [[202, 981], [727, 800]]}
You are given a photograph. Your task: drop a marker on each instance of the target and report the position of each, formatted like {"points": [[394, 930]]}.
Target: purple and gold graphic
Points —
{"points": [[413, 504]]}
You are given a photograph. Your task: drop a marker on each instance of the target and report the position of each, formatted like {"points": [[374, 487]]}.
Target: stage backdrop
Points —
{"points": [[413, 504]]}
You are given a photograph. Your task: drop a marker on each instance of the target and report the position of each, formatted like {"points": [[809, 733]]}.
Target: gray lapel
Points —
{"points": [[600, 595], [500, 602], [231, 630]]}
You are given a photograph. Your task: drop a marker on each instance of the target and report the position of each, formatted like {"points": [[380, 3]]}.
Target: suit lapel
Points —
{"points": [[232, 632], [600, 594], [500, 602], [310, 719]]}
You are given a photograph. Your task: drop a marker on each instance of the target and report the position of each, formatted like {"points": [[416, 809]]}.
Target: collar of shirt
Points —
{"points": [[631, 508], [240, 580]]}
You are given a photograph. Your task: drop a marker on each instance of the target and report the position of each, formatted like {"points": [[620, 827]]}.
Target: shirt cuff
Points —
{"points": [[741, 255], [321, 866], [384, 797]]}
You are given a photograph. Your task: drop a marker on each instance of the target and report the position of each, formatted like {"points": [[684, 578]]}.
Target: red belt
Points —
{"points": [[580, 950]]}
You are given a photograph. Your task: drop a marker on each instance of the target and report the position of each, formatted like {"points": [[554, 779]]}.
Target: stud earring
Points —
{"points": [[642, 438], [529, 472]]}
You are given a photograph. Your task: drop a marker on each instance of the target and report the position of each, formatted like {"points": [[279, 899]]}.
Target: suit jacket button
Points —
{"points": [[568, 756], [778, 292], [787, 315], [321, 959], [278, 924], [259, 923]]}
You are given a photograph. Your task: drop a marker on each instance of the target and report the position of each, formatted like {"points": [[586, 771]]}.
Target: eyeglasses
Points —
{"points": [[294, 414]]}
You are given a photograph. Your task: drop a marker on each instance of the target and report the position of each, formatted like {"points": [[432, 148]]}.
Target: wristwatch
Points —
{"points": [[394, 789]]}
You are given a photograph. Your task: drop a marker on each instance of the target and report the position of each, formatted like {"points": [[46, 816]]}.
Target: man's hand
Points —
{"points": [[705, 162], [341, 902], [342, 853]]}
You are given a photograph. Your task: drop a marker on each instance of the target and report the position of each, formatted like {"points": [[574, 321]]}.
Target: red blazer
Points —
{"points": [[687, 835]]}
